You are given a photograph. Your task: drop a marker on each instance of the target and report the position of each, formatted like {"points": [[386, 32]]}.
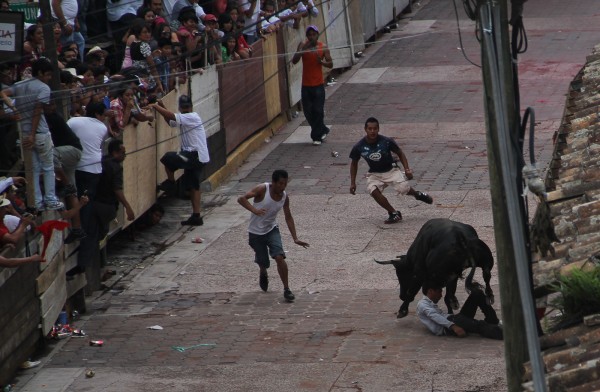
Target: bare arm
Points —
{"points": [[128, 210], [326, 60], [257, 193], [6, 94], [404, 162], [167, 114], [298, 55], [353, 171], [250, 10], [12, 263], [150, 61], [15, 236], [29, 141], [289, 220]]}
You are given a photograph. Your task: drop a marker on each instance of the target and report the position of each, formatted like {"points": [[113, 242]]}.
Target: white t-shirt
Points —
{"points": [[192, 133], [69, 9], [91, 133], [269, 21], [252, 21], [116, 9], [300, 8]]}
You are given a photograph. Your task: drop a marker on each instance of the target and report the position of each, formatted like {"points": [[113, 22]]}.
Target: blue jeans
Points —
{"points": [[313, 105], [43, 163], [78, 39]]}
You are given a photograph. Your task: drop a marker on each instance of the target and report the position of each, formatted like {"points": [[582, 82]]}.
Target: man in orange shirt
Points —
{"points": [[315, 56]]}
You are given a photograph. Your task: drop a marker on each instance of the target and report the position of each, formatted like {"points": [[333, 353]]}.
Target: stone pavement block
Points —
{"points": [[53, 379]]}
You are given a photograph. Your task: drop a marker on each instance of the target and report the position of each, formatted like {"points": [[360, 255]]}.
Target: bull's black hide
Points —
{"points": [[441, 252]]}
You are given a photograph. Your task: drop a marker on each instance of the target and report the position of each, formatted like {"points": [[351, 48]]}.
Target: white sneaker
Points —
{"points": [[316, 143]]}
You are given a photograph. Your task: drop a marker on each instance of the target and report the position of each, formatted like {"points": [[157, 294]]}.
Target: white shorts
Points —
{"points": [[394, 178]]}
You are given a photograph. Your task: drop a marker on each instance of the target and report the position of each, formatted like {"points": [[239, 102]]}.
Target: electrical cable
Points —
{"points": [[241, 97], [462, 48]]}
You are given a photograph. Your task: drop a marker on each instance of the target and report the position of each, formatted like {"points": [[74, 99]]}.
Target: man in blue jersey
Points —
{"points": [[377, 151], [265, 239]]}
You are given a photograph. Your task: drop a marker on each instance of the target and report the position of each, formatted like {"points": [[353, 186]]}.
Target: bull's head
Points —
{"points": [[404, 273]]}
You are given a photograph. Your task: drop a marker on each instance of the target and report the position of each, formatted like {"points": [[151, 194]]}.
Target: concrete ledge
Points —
{"points": [[242, 152]]}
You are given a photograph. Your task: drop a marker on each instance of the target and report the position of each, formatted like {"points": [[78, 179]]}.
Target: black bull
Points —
{"points": [[441, 252]]}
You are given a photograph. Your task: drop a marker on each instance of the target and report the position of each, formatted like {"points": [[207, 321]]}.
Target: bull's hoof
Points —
{"points": [[402, 313]]}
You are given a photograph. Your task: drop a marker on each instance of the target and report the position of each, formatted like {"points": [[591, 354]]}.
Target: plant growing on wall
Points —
{"points": [[579, 296]]}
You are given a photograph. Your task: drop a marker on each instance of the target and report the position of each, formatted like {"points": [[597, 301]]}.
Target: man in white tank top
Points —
{"points": [[264, 236]]}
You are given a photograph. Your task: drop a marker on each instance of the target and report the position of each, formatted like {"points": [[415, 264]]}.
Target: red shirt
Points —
{"points": [[312, 70], [3, 230]]}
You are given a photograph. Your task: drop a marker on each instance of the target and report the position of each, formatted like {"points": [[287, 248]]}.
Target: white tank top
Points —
{"points": [[264, 224]]}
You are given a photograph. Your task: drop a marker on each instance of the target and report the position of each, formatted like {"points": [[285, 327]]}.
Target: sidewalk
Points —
{"points": [[341, 333]]}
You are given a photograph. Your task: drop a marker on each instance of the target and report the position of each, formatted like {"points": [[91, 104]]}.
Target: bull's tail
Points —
{"points": [[469, 286]]}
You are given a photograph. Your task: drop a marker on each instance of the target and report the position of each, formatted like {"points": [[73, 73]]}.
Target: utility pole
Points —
{"points": [[50, 52], [520, 326]]}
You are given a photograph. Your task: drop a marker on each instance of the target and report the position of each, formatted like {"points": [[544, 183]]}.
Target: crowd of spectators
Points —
{"points": [[155, 45]]}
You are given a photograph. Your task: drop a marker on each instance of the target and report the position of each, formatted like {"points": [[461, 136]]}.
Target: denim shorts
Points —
{"points": [[265, 245]]}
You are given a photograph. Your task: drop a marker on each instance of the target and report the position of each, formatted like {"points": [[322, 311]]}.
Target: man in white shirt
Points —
{"points": [[91, 131], [440, 323], [192, 157], [66, 13], [251, 10]]}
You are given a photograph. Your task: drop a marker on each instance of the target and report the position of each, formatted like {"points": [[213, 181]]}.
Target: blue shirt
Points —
{"points": [[378, 155], [432, 316]]}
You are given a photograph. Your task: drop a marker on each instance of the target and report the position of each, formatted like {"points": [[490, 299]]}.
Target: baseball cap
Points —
{"points": [[312, 27], [98, 49], [185, 100], [73, 72], [210, 18]]}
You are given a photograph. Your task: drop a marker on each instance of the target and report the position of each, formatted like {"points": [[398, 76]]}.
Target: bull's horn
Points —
{"points": [[385, 262]]}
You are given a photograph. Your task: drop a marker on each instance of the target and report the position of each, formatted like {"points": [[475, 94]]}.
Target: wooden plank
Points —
{"points": [[10, 364], [19, 327], [71, 262], [79, 281], [54, 246], [271, 77], [48, 276], [53, 300]]}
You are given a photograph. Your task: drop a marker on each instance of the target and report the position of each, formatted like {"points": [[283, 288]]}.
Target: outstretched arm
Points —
{"points": [[163, 111], [12, 263], [404, 162], [289, 220], [353, 171]]}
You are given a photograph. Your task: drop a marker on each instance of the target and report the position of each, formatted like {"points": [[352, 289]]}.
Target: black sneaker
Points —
{"points": [[288, 295], [424, 197], [75, 235], [394, 217], [263, 281], [193, 221]]}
